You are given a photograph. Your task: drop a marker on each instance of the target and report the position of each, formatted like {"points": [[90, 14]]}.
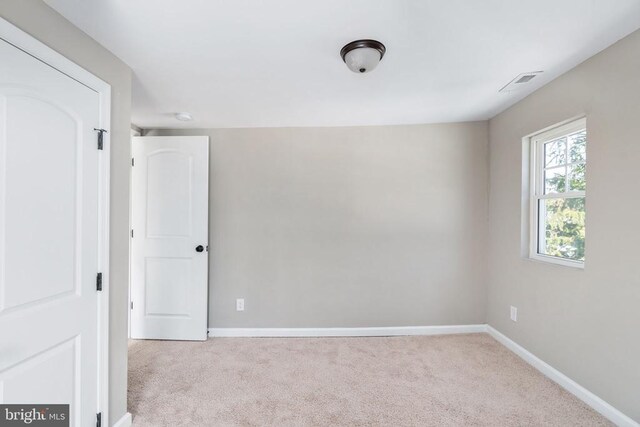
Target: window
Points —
{"points": [[558, 194]]}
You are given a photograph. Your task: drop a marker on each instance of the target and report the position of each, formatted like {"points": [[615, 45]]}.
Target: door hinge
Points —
{"points": [[133, 162], [99, 419], [99, 282], [132, 233], [100, 138], [131, 305]]}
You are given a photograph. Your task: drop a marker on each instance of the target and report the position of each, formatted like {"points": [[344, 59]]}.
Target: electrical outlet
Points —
{"points": [[514, 313], [240, 304]]}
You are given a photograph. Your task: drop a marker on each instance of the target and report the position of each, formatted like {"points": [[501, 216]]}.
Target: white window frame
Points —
{"points": [[536, 188]]}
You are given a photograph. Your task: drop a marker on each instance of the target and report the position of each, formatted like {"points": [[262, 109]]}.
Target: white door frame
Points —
{"points": [[133, 132], [35, 48]]}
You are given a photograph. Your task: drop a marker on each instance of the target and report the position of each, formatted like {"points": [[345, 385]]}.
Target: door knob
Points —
{"points": [[199, 248]]}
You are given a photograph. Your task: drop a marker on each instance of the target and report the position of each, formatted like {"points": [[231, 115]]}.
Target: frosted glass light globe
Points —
{"points": [[362, 60]]}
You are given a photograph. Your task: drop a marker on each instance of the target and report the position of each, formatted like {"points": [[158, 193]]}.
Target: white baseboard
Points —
{"points": [[608, 411], [346, 332], [125, 421]]}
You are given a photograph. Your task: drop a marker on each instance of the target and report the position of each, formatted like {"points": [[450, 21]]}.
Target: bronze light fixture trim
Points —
{"points": [[358, 55]]}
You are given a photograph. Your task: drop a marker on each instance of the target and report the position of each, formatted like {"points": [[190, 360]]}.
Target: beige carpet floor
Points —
{"points": [[452, 380]]}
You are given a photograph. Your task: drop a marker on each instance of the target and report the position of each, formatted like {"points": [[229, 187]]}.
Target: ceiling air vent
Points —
{"points": [[520, 81]]}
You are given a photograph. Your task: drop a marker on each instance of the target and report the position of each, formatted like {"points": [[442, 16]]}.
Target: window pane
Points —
{"points": [[555, 152], [578, 147], [562, 222], [577, 181], [554, 180]]}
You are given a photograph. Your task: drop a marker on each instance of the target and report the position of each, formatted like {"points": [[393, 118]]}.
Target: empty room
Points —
{"points": [[319, 213]]}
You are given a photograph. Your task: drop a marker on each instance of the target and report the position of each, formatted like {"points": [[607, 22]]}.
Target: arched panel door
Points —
{"points": [[169, 238], [49, 174]]}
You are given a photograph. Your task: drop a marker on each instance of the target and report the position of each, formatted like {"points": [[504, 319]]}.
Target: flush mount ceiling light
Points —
{"points": [[184, 117], [362, 56]]}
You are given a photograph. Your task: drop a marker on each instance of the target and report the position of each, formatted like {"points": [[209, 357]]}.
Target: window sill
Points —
{"points": [[543, 259]]}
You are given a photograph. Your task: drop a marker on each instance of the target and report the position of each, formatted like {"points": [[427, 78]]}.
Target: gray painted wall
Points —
{"points": [[353, 226], [46, 25], [584, 323]]}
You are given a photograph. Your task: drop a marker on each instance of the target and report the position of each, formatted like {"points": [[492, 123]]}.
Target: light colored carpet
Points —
{"points": [[449, 380]]}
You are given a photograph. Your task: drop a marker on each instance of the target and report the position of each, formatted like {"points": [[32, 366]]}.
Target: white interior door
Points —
{"points": [[170, 210], [49, 174]]}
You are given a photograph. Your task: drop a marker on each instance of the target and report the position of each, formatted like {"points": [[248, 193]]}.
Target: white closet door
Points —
{"points": [[169, 246], [48, 237]]}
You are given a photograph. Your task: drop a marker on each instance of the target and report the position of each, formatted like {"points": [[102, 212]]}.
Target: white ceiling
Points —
{"points": [[253, 63]]}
